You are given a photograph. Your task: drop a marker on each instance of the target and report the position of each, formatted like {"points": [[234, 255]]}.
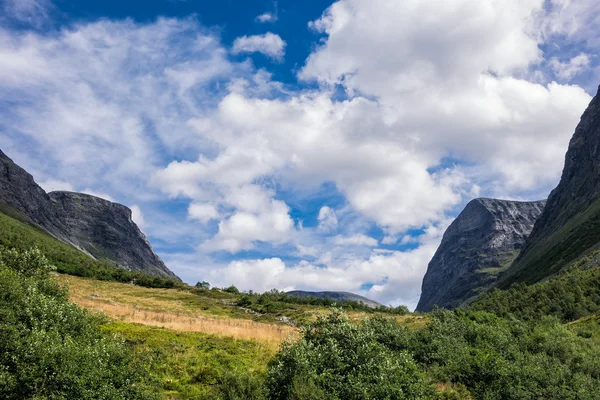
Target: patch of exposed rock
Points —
{"points": [[479, 244]]}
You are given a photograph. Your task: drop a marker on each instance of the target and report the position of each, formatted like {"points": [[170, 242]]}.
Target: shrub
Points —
{"points": [[50, 348], [338, 360]]}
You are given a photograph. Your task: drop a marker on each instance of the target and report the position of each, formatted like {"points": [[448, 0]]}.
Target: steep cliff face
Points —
{"points": [[106, 231], [570, 225], [479, 244], [337, 296], [19, 191], [95, 226]]}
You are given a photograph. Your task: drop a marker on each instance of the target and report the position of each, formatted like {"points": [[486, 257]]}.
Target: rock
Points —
{"points": [[286, 320], [94, 295], [98, 227], [106, 231], [479, 244], [337, 296], [568, 227]]}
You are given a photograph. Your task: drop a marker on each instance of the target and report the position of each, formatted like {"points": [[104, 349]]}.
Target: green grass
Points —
{"points": [[192, 365], [580, 235]]}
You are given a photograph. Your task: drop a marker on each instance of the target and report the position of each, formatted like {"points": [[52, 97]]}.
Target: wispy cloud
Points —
{"points": [[269, 44]]}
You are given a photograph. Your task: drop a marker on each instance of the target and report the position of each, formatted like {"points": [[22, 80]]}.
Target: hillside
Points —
{"points": [[100, 228], [569, 227], [476, 248]]}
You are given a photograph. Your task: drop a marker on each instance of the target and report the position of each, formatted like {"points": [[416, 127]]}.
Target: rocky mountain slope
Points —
{"points": [[480, 243], [570, 224], [338, 296], [98, 227]]}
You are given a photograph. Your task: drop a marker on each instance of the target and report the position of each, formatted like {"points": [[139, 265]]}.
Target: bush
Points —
{"points": [[50, 348], [231, 289], [338, 360]]}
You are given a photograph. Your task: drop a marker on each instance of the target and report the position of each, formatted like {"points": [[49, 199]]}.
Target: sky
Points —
{"points": [[312, 145]]}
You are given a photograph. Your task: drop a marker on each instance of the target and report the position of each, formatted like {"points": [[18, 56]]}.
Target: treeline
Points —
{"points": [[570, 295], [19, 235], [275, 300]]}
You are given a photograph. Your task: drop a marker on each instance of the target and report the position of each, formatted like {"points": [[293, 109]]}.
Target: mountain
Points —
{"points": [[337, 296], [480, 243], [569, 227], [97, 227]]}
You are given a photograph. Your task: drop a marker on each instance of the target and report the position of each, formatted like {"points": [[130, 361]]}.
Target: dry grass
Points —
{"points": [[168, 308]]}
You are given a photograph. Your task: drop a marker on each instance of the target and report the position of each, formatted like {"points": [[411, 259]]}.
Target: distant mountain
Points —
{"points": [[480, 243], [98, 227], [337, 296], [569, 227]]}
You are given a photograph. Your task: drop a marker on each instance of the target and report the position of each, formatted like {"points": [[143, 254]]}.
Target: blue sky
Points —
{"points": [[310, 145]]}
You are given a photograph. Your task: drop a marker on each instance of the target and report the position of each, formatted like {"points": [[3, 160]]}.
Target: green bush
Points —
{"points": [[50, 348], [336, 359]]}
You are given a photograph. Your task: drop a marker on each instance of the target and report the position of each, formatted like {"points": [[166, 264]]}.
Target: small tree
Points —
{"points": [[203, 285], [232, 289]]}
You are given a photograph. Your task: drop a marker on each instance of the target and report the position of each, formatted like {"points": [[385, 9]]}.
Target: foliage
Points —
{"points": [[568, 296], [50, 348], [16, 231], [203, 285], [231, 289], [336, 359]]}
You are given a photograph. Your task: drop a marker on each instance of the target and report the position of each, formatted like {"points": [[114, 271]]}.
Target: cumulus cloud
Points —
{"points": [[203, 212], [268, 44]]}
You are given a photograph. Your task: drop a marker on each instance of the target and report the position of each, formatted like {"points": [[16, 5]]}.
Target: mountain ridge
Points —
{"points": [[100, 228]]}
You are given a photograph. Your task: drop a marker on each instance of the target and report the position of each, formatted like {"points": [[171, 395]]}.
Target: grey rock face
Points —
{"points": [[95, 226], [19, 191], [337, 296], [568, 226], [106, 231], [479, 244]]}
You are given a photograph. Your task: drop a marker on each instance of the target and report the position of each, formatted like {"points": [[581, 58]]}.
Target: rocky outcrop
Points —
{"points": [[106, 231], [337, 296], [98, 227], [480, 243], [19, 191], [570, 224]]}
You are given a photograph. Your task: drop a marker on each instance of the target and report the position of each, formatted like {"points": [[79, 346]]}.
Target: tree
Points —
{"points": [[203, 285]]}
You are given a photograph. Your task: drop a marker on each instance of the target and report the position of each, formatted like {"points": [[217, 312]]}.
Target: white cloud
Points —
{"points": [[327, 219], [269, 44], [99, 194], [203, 212], [32, 12], [52, 185], [266, 17], [567, 70], [138, 216], [355, 240]]}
